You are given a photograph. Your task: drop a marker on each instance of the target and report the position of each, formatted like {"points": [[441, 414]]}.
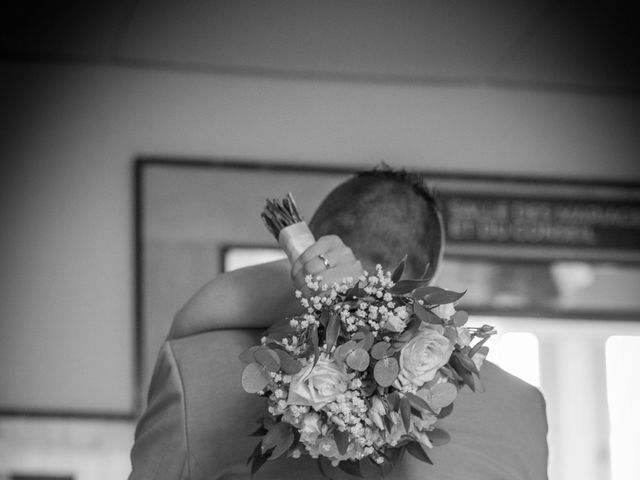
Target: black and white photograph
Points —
{"points": [[303, 239]]}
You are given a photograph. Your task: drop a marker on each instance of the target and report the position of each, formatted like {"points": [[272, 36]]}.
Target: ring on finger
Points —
{"points": [[327, 265]]}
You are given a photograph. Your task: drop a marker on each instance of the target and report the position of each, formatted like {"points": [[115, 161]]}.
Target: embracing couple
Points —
{"points": [[198, 418]]}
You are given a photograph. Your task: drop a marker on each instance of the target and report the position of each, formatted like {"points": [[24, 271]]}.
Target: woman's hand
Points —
{"points": [[328, 258]]}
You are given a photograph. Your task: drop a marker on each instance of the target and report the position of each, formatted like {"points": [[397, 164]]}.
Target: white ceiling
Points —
{"points": [[574, 45]]}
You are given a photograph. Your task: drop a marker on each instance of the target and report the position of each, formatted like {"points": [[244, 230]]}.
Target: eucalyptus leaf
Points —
{"points": [[442, 394], [446, 411], [386, 371], [358, 359], [380, 350], [439, 437], [288, 364], [254, 378], [460, 318], [247, 355], [267, 358], [341, 352], [364, 337]]}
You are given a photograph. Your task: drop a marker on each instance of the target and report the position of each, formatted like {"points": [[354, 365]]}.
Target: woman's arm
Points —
{"points": [[258, 296], [251, 297]]}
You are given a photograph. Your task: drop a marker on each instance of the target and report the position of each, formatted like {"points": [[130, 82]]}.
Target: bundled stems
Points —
{"points": [[280, 213], [283, 219]]}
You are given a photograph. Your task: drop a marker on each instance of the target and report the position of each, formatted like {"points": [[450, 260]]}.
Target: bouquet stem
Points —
{"points": [[283, 219]]}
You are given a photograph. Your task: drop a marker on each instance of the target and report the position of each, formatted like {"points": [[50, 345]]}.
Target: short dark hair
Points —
{"points": [[382, 215]]}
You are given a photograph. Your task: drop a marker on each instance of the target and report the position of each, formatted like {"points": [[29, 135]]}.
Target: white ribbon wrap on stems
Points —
{"points": [[295, 239]]}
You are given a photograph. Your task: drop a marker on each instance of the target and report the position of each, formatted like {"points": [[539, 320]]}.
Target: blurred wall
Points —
{"points": [[71, 132]]}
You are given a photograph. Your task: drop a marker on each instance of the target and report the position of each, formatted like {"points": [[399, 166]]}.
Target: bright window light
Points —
{"points": [[247, 256], [518, 354], [623, 390]]}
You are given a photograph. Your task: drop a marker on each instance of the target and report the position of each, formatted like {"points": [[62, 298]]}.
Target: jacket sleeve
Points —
{"points": [[160, 448]]}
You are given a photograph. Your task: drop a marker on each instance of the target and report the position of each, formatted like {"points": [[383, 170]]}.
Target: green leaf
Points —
{"points": [[438, 437], [460, 318], [442, 394], [267, 358], [324, 318], [440, 296], [418, 402], [406, 286], [380, 350], [358, 360], [259, 432], [247, 355], [426, 315], [405, 413], [332, 332], [477, 347], [350, 467], [466, 362], [451, 334], [416, 449], [279, 437], [446, 411], [386, 371], [254, 378], [394, 400], [257, 459], [342, 440], [460, 369], [397, 272], [341, 352], [288, 364], [280, 330], [355, 292], [313, 335], [364, 337]]}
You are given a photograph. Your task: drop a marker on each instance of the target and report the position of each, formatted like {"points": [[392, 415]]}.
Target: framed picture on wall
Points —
{"points": [[519, 246]]}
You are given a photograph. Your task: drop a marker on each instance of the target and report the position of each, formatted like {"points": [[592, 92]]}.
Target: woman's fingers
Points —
{"points": [[329, 258]]}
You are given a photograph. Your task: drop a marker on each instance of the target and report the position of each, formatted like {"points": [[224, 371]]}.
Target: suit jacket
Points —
{"points": [[198, 418]]}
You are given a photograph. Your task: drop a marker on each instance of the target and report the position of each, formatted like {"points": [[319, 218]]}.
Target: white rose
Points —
{"points": [[319, 385], [422, 356]]}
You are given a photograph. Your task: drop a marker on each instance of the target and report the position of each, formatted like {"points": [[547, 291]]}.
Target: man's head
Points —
{"points": [[383, 215]]}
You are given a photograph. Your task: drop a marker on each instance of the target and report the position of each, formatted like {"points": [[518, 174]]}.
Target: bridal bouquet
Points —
{"points": [[364, 375]]}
